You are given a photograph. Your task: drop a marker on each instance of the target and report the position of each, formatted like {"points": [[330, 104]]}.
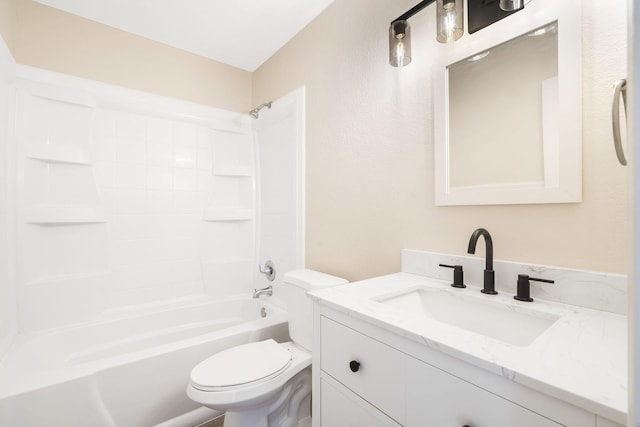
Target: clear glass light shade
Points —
{"points": [[511, 5], [449, 14], [399, 44]]}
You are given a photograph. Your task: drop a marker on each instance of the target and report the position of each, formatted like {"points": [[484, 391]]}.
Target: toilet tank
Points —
{"points": [[299, 306]]}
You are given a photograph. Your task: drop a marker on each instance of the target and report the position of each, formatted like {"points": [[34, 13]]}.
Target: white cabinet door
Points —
{"points": [[438, 399], [603, 422], [342, 408], [379, 374]]}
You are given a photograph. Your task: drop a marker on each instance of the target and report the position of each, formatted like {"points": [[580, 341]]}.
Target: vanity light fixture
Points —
{"points": [[449, 22], [399, 43], [482, 13], [511, 5]]}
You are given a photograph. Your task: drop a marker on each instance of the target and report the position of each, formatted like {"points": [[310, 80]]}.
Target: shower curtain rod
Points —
{"points": [[256, 111]]}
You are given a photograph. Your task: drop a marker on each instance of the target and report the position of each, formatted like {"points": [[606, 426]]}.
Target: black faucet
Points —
{"points": [[489, 274]]}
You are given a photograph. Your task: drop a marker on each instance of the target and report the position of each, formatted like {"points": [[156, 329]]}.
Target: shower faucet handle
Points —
{"points": [[269, 270]]}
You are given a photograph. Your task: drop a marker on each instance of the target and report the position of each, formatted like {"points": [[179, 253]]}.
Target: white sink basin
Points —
{"points": [[510, 324]]}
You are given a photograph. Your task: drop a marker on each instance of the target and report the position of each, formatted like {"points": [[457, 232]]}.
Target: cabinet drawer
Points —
{"points": [[603, 422], [436, 398], [380, 377], [342, 408]]}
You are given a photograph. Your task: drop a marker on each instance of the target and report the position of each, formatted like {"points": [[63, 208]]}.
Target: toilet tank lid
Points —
{"points": [[311, 280]]}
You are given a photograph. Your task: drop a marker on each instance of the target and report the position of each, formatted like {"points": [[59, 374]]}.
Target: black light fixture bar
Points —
{"points": [[415, 9], [482, 13], [450, 28], [449, 21]]}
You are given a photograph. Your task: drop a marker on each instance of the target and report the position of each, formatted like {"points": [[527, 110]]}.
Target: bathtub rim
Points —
{"points": [[50, 377]]}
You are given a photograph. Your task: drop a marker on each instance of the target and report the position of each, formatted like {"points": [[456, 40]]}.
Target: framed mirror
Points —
{"points": [[508, 111]]}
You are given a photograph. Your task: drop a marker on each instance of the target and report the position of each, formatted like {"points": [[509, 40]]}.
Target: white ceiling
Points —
{"points": [[241, 33]]}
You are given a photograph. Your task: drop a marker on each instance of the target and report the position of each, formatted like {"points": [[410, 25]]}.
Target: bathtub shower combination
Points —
{"points": [[127, 370], [137, 228]]}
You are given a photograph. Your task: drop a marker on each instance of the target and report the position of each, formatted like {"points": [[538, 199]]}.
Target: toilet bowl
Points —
{"points": [[265, 383], [252, 381]]}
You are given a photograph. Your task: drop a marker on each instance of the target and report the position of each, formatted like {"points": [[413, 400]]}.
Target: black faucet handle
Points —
{"points": [[535, 279], [458, 275], [524, 287]]}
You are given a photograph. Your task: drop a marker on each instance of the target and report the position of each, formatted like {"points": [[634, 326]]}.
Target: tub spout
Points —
{"points": [[264, 291]]}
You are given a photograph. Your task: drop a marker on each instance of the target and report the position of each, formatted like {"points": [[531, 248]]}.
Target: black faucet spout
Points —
{"points": [[489, 244], [489, 275]]}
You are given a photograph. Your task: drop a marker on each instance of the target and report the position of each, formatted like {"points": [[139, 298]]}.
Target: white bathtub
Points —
{"points": [[126, 369]]}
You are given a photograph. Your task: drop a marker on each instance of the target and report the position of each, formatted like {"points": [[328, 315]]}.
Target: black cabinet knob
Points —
{"points": [[354, 365]]}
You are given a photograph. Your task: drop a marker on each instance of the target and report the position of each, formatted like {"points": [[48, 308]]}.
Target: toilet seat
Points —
{"points": [[252, 393], [241, 366]]}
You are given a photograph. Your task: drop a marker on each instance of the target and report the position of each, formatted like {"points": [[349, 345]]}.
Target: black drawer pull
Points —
{"points": [[354, 365]]}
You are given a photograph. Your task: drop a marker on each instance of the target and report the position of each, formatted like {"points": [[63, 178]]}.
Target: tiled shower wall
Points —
{"points": [[6, 285], [123, 207], [153, 175]]}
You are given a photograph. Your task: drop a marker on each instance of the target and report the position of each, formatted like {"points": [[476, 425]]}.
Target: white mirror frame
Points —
{"points": [[567, 188]]}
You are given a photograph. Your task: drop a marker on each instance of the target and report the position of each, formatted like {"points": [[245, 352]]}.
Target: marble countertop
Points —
{"points": [[581, 358]]}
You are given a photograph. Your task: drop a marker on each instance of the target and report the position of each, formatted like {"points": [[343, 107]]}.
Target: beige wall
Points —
{"points": [[7, 17], [47, 38], [369, 131], [370, 150]]}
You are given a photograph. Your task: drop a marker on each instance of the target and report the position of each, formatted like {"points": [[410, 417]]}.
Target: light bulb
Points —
{"points": [[399, 44], [450, 21], [511, 5]]}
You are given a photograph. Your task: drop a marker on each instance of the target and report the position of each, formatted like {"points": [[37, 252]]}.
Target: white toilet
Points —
{"points": [[266, 384]]}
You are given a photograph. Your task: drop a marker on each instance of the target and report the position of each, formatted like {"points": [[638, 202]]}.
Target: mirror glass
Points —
{"points": [[503, 109]]}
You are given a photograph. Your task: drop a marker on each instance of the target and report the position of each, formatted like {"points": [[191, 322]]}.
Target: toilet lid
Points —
{"points": [[240, 365]]}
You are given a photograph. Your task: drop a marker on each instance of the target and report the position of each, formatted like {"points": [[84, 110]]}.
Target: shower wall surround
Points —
{"points": [[126, 199], [7, 318], [279, 134]]}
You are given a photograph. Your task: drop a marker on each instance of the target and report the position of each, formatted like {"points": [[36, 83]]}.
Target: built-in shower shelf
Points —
{"points": [[94, 277], [65, 215], [227, 214], [227, 260], [240, 171], [58, 154]]}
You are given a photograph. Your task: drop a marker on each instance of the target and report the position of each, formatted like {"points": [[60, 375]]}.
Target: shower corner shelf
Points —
{"points": [[94, 277], [226, 261], [229, 170], [58, 154], [50, 215], [227, 214]]}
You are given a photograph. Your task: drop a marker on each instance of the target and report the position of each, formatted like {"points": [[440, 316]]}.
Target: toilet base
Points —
{"points": [[291, 404]]}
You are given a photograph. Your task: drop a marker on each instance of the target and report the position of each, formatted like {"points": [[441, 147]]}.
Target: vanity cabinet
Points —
{"points": [[372, 370], [603, 422], [436, 398], [368, 377], [342, 408], [409, 391]]}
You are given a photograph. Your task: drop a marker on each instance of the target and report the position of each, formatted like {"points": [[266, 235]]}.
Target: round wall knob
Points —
{"points": [[354, 365]]}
